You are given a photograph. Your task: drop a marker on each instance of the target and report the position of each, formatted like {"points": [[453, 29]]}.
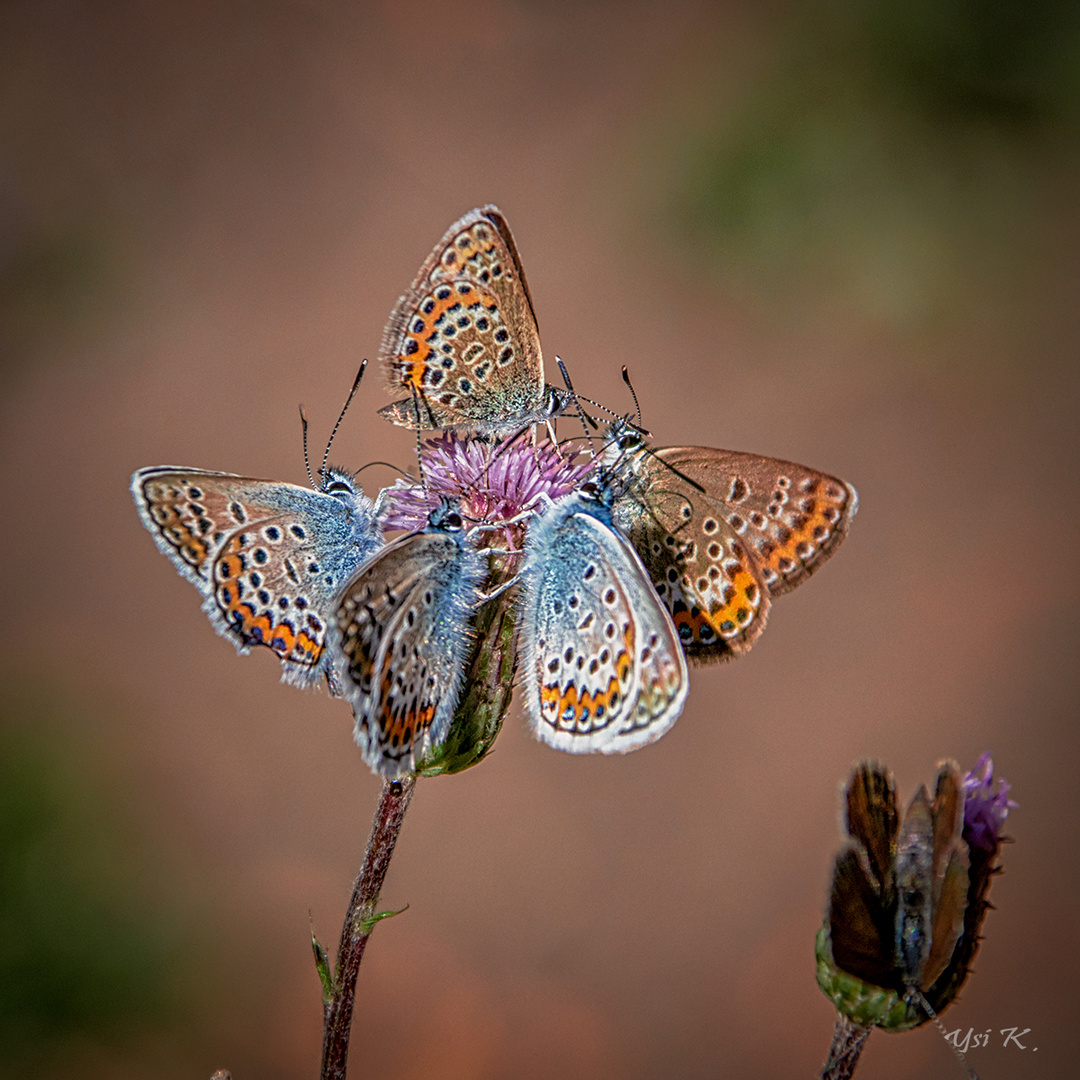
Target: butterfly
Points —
{"points": [[464, 341], [400, 634], [900, 887], [603, 670], [269, 558], [722, 533]]}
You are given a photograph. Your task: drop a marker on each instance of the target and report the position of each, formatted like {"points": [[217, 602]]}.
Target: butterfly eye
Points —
{"points": [[339, 489], [453, 521], [590, 489]]}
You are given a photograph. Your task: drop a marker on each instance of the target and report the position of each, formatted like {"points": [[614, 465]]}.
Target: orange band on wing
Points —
{"points": [[820, 507], [417, 355]]}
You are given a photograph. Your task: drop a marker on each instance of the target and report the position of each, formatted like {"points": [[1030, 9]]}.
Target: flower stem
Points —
{"points": [[360, 920], [847, 1044]]}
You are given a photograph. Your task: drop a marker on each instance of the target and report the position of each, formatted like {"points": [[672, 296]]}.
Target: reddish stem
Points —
{"points": [[847, 1044], [359, 922]]}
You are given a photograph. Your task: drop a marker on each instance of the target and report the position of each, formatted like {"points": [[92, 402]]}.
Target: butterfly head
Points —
{"points": [[601, 489], [555, 402], [446, 517], [624, 446], [341, 485], [618, 471]]}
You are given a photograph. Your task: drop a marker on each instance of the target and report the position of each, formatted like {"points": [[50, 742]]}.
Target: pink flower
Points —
{"points": [[495, 483]]}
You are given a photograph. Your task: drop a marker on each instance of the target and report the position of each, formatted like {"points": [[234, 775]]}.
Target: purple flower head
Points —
{"points": [[495, 483], [985, 811]]}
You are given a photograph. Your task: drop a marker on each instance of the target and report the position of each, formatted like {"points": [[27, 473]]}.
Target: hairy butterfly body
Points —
{"points": [[269, 558], [401, 636], [722, 533], [464, 340], [603, 670]]}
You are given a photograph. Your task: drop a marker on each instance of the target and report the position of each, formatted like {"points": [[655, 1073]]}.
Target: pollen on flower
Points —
{"points": [[495, 483]]}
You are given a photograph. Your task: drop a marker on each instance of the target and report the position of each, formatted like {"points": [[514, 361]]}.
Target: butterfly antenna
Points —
{"points": [[633, 392], [307, 460], [586, 420], [918, 994], [649, 450], [341, 416], [388, 464], [598, 405], [419, 456], [671, 468]]}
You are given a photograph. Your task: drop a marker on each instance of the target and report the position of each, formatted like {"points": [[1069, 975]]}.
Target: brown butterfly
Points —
{"points": [[900, 887], [722, 533], [464, 341]]}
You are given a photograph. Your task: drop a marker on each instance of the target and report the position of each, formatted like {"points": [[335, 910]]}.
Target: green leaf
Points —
{"points": [[322, 966], [368, 924]]}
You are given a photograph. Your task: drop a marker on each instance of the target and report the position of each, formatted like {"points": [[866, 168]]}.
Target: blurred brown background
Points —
{"points": [[843, 234]]}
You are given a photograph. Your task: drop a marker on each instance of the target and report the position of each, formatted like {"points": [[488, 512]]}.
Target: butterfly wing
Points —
{"points": [[463, 340], [401, 637], [860, 924], [603, 668], [861, 901], [717, 556], [950, 872], [872, 819], [267, 557]]}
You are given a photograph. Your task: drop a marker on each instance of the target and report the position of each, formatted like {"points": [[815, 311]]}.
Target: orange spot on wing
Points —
{"points": [[401, 731], [568, 701], [188, 543], [590, 703], [825, 496], [731, 618], [307, 649], [282, 640]]}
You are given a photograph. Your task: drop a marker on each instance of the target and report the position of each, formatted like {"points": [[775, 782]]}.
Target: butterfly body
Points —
{"points": [[401, 636], [722, 533], [268, 557], [603, 670], [464, 342]]}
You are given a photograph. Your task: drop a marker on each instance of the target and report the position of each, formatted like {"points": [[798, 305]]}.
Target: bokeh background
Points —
{"points": [[842, 233]]}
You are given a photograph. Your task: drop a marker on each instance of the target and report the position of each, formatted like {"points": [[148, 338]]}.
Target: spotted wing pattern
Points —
{"points": [[603, 670], [401, 636], [718, 553], [268, 558], [463, 341]]}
